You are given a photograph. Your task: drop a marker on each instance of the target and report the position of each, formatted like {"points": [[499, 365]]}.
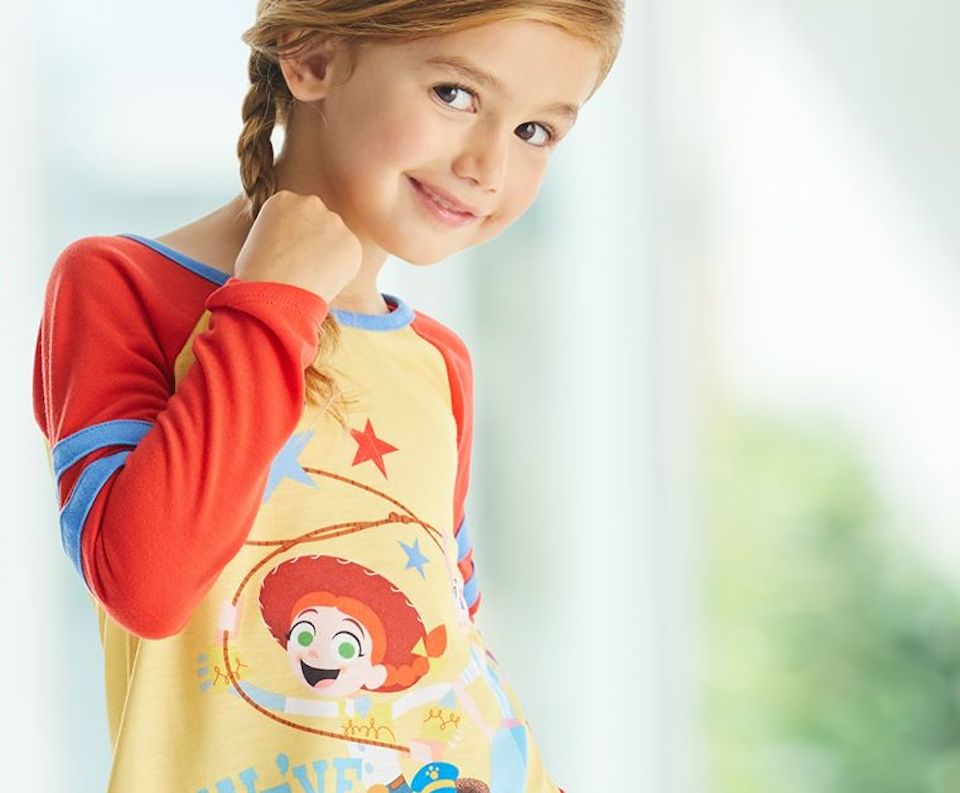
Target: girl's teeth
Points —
{"points": [[441, 202]]}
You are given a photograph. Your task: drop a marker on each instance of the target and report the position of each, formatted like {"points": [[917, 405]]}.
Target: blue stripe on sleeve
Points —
{"points": [[108, 433], [463, 540], [84, 492]]}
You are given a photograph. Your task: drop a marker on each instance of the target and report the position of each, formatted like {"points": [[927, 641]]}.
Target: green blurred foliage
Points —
{"points": [[833, 651]]}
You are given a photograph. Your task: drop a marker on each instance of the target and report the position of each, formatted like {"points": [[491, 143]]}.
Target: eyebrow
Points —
{"points": [[362, 631], [468, 69]]}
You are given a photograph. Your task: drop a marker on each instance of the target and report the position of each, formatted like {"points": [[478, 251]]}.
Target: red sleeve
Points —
{"points": [[159, 483], [460, 373]]}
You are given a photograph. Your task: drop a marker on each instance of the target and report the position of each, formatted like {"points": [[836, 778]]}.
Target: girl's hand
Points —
{"points": [[297, 240]]}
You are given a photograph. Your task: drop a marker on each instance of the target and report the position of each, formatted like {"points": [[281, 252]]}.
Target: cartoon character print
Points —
{"points": [[508, 739], [464, 623], [331, 617], [347, 630]]}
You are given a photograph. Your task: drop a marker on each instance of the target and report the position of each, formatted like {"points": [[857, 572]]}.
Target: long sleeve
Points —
{"points": [[456, 357], [461, 377], [159, 482]]}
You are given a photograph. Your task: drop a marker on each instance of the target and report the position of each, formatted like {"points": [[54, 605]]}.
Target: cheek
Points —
{"points": [[527, 180], [293, 656], [362, 670], [401, 135], [522, 188]]}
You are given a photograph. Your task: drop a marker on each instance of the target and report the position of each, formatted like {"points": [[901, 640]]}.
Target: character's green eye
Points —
{"points": [[346, 645], [303, 632]]}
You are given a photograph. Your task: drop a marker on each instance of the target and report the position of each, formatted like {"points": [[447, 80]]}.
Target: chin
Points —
{"points": [[417, 255], [424, 261], [423, 247]]}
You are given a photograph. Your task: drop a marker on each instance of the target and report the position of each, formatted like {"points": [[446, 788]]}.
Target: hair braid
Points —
{"points": [[267, 98], [254, 148], [268, 102]]}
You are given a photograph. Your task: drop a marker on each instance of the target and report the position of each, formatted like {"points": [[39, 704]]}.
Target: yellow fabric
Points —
{"points": [[224, 707]]}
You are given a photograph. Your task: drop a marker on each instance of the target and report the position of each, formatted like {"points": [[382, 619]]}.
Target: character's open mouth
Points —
{"points": [[313, 675]]}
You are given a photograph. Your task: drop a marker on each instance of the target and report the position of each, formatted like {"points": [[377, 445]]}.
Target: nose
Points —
{"points": [[484, 159]]}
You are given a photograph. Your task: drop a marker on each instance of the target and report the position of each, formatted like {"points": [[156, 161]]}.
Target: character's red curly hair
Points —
{"points": [[392, 621]]}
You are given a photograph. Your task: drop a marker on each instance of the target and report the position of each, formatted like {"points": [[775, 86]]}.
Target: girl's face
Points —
{"points": [[400, 120], [329, 652]]}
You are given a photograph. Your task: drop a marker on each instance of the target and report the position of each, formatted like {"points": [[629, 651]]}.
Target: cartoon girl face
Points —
{"points": [[330, 652]]}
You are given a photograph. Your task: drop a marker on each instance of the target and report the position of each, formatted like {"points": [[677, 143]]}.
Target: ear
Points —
{"points": [[310, 73]]}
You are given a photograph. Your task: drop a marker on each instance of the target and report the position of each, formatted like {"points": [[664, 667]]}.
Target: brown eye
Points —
{"points": [[447, 93], [532, 124]]}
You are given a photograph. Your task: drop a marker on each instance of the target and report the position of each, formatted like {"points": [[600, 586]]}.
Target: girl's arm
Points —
{"points": [[456, 356], [292, 705], [432, 693], [160, 482], [420, 696]]}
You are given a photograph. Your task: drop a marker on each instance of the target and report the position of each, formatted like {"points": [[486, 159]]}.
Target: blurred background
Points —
{"points": [[718, 544]]}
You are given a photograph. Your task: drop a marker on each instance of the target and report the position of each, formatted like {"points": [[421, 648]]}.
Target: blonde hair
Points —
{"points": [[268, 101]]}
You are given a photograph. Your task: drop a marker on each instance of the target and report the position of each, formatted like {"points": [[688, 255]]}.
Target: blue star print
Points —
{"points": [[415, 557], [285, 465]]}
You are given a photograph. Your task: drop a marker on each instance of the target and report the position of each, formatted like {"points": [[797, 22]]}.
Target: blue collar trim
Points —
{"points": [[218, 277], [399, 317]]}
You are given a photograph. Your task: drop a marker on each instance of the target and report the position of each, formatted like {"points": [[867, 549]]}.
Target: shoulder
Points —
{"points": [[451, 346], [117, 259], [459, 367], [117, 280]]}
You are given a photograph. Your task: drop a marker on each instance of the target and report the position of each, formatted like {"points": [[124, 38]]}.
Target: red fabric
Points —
{"points": [[456, 355], [116, 315]]}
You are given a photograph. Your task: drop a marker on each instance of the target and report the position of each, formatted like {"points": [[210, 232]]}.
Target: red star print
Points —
{"points": [[370, 447]]}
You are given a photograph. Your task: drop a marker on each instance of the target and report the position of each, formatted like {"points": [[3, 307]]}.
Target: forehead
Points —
{"points": [[320, 612], [527, 60]]}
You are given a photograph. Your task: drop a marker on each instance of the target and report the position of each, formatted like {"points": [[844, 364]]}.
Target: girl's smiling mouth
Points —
{"points": [[444, 212], [313, 675]]}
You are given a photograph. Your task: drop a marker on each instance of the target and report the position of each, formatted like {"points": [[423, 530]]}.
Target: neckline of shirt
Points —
{"points": [[399, 316]]}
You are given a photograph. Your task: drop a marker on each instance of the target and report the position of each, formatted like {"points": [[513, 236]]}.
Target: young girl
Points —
{"points": [[262, 460]]}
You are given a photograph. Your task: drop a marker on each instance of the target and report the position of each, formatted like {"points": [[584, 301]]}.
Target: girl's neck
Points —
{"points": [[216, 239]]}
